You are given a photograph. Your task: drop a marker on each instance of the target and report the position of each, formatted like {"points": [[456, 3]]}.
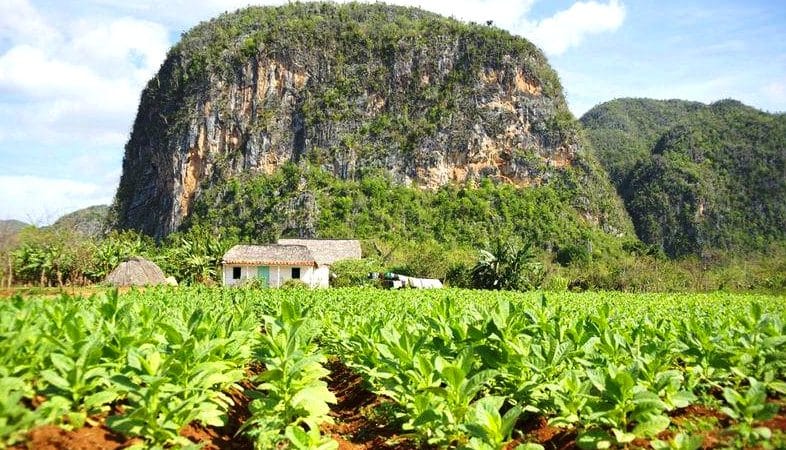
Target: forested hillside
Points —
{"points": [[90, 221], [695, 177], [624, 131]]}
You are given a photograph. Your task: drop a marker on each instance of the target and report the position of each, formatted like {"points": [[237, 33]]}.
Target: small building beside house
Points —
{"points": [[307, 260], [136, 271]]}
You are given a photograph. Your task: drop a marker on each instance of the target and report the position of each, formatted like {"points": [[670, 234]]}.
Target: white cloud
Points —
{"points": [[42, 200], [776, 91], [62, 100], [20, 21], [504, 13], [121, 47], [79, 77], [570, 27], [705, 90], [555, 34], [84, 85]]}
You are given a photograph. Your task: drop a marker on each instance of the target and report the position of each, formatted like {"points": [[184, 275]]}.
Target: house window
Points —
{"points": [[296, 273], [236, 273]]}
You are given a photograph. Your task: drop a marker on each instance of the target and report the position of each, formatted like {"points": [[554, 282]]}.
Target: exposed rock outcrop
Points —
{"points": [[348, 88]]}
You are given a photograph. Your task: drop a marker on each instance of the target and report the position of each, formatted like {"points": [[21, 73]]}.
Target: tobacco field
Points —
{"points": [[365, 368]]}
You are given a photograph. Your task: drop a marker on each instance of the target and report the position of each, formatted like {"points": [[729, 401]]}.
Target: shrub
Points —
{"points": [[294, 284], [573, 254], [556, 283], [459, 275], [354, 272]]}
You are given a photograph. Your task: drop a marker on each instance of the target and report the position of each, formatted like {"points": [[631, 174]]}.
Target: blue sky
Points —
{"points": [[71, 72]]}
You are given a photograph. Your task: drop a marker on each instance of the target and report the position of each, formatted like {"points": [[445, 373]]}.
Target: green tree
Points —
{"points": [[117, 247], [51, 257], [194, 255], [507, 265]]}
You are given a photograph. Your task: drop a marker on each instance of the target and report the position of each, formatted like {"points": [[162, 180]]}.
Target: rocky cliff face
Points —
{"points": [[348, 88]]}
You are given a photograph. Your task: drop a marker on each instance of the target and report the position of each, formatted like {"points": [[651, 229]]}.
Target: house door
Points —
{"points": [[263, 272]]}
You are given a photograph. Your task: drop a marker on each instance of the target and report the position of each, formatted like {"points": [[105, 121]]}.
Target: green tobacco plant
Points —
{"points": [[618, 402], [439, 413], [488, 429], [157, 409], [310, 439], [607, 366], [15, 417], [81, 382], [570, 396], [681, 441], [290, 393], [166, 391], [748, 407], [23, 348]]}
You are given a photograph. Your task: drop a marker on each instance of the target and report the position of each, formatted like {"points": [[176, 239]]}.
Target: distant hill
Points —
{"points": [[695, 177], [90, 221], [9, 231], [624, 131], [10, 227]]}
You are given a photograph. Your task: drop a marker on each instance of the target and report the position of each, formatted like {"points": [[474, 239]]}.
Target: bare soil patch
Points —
{"points": [[355, 427], [50, 437]]}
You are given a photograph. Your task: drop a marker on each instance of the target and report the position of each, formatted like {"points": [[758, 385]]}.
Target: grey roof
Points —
{"points": [[328, 251], [274, 255], [136, 272]]}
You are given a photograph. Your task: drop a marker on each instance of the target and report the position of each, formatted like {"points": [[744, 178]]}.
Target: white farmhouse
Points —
{"points": [[307, 260]]}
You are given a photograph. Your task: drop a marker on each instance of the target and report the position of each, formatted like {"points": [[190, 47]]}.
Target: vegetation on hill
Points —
{"points": [[56, 257], [624, 131], [90, 221], [9, 239], [8, 227], [308, 202], [695, 178]]}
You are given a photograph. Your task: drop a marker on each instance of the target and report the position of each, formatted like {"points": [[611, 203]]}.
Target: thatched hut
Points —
{"points": [[136, 271]]}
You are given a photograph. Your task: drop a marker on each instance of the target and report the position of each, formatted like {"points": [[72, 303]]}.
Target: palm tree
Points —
{"points": [[506, 265]]}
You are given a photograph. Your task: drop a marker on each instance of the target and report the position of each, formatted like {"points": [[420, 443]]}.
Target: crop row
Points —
{"points": [[464, 366], [463, 369], [149, 364]]}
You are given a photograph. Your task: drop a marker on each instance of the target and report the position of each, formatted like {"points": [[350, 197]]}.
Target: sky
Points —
{"points": [[71, 72]]}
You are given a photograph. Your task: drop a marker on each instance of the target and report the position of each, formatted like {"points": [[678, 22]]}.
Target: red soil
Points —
{"points": [[50, 437], [360, 424], [538, 430], [353, 429], [226, 437]]}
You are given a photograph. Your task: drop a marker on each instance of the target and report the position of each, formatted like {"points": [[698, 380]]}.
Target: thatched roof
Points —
{"points": [[136, 272], [270, 255], [328, 251]]}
